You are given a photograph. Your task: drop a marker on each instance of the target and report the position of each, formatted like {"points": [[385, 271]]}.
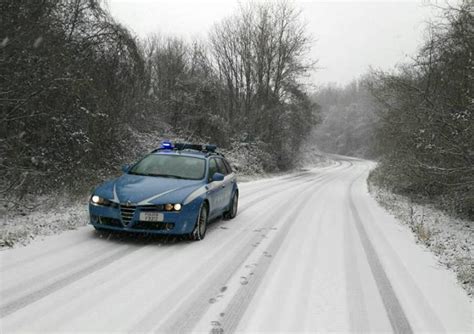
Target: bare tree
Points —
{"points": [[261, 54]]}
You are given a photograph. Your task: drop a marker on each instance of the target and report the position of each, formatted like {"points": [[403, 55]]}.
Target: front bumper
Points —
{"points": [[112, 218]]}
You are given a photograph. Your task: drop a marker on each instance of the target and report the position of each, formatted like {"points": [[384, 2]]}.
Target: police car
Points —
{"points": [[176, 190]]}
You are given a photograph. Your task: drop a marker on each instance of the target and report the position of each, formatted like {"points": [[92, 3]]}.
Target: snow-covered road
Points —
{"points": [[307, 252]]}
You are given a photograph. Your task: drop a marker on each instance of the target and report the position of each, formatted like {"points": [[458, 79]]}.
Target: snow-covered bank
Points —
{"points": [[451, 239], [20, 228]]}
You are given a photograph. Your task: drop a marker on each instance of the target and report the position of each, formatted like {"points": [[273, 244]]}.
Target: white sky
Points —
{"points": [[349, 36]]}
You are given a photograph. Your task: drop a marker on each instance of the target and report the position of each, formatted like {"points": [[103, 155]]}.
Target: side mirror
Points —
{"points": [[217, 177], [125, 168]]}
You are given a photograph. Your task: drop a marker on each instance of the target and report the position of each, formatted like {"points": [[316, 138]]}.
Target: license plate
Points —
{"points": [[151, 216]]}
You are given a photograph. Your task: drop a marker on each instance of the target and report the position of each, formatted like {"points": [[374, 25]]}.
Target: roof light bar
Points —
{"points": [[168, 145]]}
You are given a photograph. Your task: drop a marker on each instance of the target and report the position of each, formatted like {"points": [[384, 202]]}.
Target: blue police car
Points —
{"points": [[174, 190]]}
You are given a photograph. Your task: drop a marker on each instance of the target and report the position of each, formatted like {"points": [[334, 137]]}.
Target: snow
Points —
{"points": [[294, 259], [20, 228], [450, 238]]}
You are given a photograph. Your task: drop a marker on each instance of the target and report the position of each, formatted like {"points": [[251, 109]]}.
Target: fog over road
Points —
{"points": [[307, 252]]}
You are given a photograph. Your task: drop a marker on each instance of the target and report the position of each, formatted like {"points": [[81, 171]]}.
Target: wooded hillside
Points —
{"points": [[77, 87]]}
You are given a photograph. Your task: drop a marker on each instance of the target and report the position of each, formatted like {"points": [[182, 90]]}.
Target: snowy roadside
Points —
{"points": [[22, 227], [450, 239]]}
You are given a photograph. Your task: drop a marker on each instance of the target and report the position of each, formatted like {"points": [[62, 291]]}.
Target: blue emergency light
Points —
{"points": [[166, 145]]}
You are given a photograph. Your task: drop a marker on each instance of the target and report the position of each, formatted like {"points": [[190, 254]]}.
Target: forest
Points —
{"points": [[78, 89]]}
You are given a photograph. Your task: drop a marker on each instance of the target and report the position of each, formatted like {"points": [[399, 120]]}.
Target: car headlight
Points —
{"points": [[173, 207], [97, 200]]}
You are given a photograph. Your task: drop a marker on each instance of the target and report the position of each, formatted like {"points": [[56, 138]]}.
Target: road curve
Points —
{"points": [[310, 251]]}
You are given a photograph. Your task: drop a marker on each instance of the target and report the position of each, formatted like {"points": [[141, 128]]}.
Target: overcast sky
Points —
{"points": [[349, 36]]}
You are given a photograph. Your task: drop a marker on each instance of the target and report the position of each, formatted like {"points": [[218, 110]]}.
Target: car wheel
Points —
{"points": [[201, 224], [233, 206]]}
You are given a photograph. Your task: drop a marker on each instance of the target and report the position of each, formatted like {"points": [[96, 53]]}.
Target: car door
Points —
{"points": [[215, 190], [226, 185]]}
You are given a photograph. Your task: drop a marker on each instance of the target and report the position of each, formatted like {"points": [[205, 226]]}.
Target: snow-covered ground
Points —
{"points": [[450, 238], [312, 251], [20, 228]]}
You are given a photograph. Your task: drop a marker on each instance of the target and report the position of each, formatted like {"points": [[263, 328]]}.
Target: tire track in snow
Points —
{"points": [[200, 306], [314, 228], [254, 201], [207, 282], [309, 179], [208, 285], [197, 302], [233, 313], [293, 181], [277, 180], [102, 289], [32, 297], [15, 265], [257, 200], [433, 323], [43, 277], [357, 308], [271, 193], [308, 175], [396, 315]]}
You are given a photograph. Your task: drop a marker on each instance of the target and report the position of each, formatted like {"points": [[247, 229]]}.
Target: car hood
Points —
{"points": [[143, 190]]}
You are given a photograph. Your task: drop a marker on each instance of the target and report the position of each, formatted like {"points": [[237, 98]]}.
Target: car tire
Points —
{"points": [[233, 206], [200, 228]]}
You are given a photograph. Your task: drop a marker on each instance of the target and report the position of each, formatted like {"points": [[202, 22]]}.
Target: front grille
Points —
{"points": [[153, 226], [127, 212]]}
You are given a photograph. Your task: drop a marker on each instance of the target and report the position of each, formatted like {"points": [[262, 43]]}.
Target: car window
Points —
{"points": [[212, 168], [227, 165], [221, 167]]}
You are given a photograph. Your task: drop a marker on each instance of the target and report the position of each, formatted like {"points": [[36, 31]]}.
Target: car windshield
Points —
{"points": [[174, 166]]}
